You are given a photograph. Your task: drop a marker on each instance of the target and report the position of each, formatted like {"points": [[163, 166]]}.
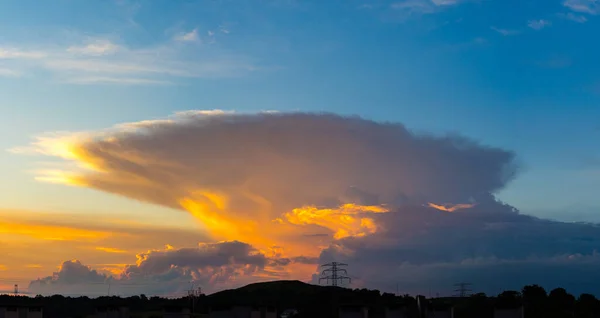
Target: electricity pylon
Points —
{"points": [[331, 273]]}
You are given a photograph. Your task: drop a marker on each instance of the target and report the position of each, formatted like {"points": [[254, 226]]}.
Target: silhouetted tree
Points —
{"points": [[509, 299], [535, 301], [561, 303], [587, 306]]}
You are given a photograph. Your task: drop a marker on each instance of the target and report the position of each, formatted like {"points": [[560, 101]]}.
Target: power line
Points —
{"points": [[463, 289], [331, 273]]}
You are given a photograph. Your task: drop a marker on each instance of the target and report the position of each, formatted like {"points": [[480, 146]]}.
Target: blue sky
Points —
{"points": [[522, 76]]}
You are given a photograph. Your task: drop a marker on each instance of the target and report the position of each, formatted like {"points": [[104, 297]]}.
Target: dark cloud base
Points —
{"points": [[495, 249]]}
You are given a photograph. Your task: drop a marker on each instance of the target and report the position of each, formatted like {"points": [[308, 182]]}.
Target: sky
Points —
{"points": [[154, 145]]}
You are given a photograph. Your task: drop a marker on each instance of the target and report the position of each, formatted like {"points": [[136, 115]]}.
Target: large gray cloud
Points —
{"points": [[270, 163], [341, 157], [168, 272], [491, 245]]}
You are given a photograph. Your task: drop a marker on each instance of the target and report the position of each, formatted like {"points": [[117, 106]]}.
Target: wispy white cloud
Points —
{"points": [[98, 47], [224, 30], [505, 32], [13, 53], [420, 7], [6, 72], [102, 61], [423, 6], [583, 6], [116, 80], [444, 2], [191, 36], [538, 24], [573, 17]]}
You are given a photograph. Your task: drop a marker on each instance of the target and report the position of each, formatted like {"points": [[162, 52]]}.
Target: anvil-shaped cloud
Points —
{"points": [[315, 184], [270, 177]]}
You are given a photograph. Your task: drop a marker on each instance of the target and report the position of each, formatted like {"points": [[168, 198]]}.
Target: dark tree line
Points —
{"points": [[318, 301]]}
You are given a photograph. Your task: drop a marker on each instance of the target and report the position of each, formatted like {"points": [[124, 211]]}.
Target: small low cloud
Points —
{"points": [[70, 273], [191, 36], [505, 32], [539, 24]]}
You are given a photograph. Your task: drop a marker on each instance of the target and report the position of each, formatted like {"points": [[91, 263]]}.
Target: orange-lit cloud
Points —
{"points": [[450, 207], [17, 226], [110, 250], [3, 267], [111, 269], [50, 232], [347, 220]]}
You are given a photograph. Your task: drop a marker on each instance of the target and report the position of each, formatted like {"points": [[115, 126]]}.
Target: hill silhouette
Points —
{"points": [[274, 287]]}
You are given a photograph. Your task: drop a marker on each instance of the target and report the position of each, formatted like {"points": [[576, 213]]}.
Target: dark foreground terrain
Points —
{"points": [[318, 301]]}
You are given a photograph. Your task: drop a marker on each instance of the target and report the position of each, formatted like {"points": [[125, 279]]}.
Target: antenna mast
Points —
{"points": [[332, 273]]}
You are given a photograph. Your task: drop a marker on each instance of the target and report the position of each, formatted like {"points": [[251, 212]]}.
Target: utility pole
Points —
{"points": [[332, 273], [462, 289]]}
